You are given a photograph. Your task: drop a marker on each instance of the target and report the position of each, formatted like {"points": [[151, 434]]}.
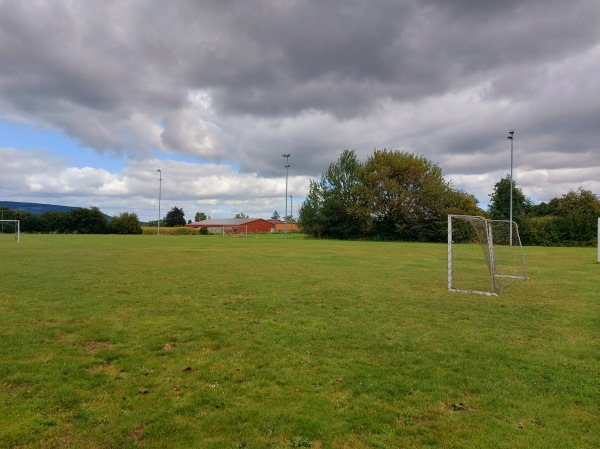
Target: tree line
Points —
{"points": [[397, 195], [569, 220], [91, 221], [77, 221]]}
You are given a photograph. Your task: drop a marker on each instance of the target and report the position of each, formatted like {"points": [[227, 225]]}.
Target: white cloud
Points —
{"points": [[213, 93]]}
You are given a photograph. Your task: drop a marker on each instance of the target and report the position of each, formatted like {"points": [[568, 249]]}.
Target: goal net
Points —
{"points": [[10, 231], [484, 256]]}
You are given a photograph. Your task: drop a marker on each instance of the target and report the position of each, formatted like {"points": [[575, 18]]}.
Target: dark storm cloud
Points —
{"points": [[245, 81]]}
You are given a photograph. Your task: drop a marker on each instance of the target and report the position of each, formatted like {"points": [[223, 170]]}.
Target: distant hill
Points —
{"points": [[36, 208]]}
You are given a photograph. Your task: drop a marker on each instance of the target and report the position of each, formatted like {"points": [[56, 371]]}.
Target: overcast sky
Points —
{"points": [[95, 96]]}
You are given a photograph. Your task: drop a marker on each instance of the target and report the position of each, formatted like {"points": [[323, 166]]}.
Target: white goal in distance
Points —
{"points": [[484, 256], [10, 230]]}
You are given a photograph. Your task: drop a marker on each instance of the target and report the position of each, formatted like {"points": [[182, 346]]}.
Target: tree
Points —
{"points": [[241, 215], [57, 221], [577, 217], [200, 216], [394, 195], [125, 223], [406, 195], [499, 208], [333, 207], [88, 221], [175, 217], [275, 216]]}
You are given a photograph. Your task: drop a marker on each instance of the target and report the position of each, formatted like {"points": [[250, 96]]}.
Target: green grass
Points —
{"points": [[211, 342]]}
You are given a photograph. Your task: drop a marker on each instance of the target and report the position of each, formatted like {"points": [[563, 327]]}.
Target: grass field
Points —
{"points": [[212, 342]]}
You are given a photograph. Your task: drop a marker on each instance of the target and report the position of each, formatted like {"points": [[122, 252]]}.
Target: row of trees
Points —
{"points": [[392, 196], [400, 196], [570, 220], [79, 221]]}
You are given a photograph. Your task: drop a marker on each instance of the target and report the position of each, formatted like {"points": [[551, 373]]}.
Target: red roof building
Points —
{"points": [[240, 225]]}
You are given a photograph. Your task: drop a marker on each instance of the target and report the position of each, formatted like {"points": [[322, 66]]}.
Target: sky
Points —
{"points": [[95, 97]]}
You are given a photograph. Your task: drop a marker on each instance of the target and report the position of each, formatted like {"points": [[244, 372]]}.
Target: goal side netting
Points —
{"points": [[484, 256], [10, 231]]}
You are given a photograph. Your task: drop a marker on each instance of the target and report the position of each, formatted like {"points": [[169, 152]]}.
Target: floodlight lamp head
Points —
{"points": [[285, 155]]}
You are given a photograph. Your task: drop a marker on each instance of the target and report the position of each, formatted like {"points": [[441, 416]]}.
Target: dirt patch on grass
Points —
{"points": [[94, 346], [110, 370]]}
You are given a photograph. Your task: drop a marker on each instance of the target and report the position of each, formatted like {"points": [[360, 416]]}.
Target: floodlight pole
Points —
{"points": [[291, 206], [159, 195], [287, 167], [512, 139]]}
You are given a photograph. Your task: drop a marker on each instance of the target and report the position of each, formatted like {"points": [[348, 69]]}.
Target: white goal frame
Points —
{"points": [[17, 224], [499, 276]]}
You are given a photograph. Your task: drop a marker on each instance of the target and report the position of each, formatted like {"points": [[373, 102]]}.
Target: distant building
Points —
{"points": [[280, 226], [243, 225], [235, 225]]}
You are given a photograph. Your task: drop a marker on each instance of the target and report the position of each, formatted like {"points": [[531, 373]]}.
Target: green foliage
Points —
{"points": [[499, 208], [200, 216], [175, 217], [577, 217], [570, 220], [393, 196], [79, 221], [275, 216], [241, 215], [333, 207], [88, 221], [541, 231], [125, 223]]}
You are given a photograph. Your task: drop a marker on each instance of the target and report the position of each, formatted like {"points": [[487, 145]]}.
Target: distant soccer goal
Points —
{"points": [[484, 256], [10, 231]]}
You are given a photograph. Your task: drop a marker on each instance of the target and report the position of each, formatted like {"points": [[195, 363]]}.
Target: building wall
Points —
{"points": [[258, 225], [291, 227]]}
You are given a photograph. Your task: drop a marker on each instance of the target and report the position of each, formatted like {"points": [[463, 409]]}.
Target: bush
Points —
{"points": [[125, 223]]}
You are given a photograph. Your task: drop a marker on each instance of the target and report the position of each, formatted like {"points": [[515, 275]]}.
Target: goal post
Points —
{"points": [[10, 230], [484, 256]]}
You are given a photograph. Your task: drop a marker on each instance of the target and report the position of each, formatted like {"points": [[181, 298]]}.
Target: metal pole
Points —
{"points": [[449, 252], [287, 167], [512, 139], [159, 195], [291, 206]]}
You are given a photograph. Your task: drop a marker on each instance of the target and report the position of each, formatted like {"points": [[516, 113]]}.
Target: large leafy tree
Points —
{"points": [[394, 195], [499, 208], [175, 217], [89, 221], [333, 207], [407, 196]]}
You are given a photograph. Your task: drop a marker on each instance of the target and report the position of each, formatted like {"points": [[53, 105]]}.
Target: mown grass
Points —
{"points": [[211, 342]]}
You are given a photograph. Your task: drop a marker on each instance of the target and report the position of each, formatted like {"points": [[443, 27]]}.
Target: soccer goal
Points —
{"points": [[10, 230], [484, 256]]}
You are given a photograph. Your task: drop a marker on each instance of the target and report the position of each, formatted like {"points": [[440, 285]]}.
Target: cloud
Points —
{"points": [[233, 85]]}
